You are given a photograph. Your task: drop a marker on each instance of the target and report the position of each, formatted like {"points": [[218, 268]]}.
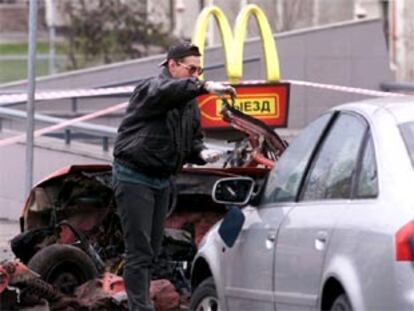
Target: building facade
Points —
{"points": [[178, 16]]}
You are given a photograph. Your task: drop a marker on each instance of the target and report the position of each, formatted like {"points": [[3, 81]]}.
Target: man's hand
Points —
{"points": [[210, 155], [219, 88]]}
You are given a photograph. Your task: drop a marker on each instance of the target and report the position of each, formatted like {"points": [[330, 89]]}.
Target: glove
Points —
{"points": [[210, 155], [219, 88]]}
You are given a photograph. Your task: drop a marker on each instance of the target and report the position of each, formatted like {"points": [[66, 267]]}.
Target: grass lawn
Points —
{"points": [[16, 69], [22, 48]]}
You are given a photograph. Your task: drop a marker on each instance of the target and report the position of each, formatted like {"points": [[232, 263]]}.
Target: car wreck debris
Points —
{"points": [[70, 252]]}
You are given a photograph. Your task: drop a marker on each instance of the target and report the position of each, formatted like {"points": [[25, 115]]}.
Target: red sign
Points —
{"points": [[267, 102]]}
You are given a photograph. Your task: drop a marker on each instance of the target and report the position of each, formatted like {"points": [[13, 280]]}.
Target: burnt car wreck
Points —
{"points": [[70, 249]]}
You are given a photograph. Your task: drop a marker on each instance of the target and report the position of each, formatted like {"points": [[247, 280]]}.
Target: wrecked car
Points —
{"points": [[71, 232]]}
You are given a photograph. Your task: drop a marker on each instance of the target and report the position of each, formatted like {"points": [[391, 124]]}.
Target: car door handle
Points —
{"points": [[270, 239], [322, 235], [320, 240], [271, 236]]}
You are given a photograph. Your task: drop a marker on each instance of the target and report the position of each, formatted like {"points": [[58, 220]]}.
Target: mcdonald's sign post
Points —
{"points": [[265, 100]]}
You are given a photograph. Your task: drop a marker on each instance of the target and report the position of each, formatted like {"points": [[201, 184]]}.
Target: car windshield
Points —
{"points": [[407, 132]]}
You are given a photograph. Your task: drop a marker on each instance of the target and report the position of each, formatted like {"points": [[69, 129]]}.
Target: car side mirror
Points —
{"points": [[233, 190]]}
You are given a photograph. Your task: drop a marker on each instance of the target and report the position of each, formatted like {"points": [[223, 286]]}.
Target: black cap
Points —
{"points": [[181, 50]]}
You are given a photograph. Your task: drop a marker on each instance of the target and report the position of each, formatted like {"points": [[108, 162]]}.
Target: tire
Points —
{"points": [[205, 297], [64, 266], [341, 303]]}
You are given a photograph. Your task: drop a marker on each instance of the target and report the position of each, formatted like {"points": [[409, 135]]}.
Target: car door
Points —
{"points": [[305, 233], [249, 264]]}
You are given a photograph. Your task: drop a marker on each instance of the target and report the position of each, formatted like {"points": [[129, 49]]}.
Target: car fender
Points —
{"points": [[210, 251], [345, 272]]}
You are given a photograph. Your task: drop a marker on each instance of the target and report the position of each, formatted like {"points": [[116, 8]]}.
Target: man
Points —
{"points": [[159, 133]]}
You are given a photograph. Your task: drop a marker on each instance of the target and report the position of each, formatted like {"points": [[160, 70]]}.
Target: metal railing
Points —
{"points": [[100, 131]]}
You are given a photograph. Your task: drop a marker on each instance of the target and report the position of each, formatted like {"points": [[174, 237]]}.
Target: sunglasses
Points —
{"points": [[192, 69]]}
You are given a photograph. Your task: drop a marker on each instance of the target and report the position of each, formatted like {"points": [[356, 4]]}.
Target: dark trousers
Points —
{"points": [[142, 210]]}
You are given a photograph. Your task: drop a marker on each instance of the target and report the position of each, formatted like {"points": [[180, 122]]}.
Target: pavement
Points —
{"points": [[8, 230]]}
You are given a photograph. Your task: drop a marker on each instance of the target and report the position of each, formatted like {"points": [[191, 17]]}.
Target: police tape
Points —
{"points": [[77, 93], [124, 90], [346, 89]]}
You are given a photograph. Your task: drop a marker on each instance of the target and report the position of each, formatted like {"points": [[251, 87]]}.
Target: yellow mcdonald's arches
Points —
{"points": [[233, 43]]}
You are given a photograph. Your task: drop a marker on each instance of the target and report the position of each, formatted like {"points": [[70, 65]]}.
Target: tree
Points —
{"points": [[106, 31]]}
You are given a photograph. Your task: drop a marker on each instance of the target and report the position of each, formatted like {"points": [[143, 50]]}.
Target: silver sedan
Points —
{"points": [[332, 228]]}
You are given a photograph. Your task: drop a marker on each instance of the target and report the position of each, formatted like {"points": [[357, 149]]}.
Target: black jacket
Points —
{"points": [[161, 129]]}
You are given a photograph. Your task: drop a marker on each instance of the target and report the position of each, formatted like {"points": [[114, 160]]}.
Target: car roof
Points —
{"points": [[401, 107]]}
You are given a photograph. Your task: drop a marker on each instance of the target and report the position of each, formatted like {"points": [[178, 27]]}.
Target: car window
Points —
{"points": [[284, 180], [331, 175], [367, 186], [407, 132]]}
